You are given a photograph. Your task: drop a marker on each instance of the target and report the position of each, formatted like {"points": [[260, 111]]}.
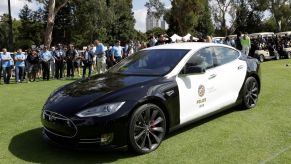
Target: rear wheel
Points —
{"points": [[147, 128], [250, 93]]}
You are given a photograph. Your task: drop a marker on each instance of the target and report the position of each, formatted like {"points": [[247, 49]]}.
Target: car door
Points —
{"points": [[194, 87], [228, 76]]}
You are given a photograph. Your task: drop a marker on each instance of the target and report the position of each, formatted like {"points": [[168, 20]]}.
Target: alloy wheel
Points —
{"points": [[147, 128], [251, 92]]}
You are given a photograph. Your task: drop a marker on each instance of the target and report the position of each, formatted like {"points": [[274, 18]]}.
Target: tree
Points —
{"points": [[205, 25], [184, 15], [107, 20], [30, 30], [280, 10], [156, 31], [53, 9], [155, 7], [220, 10], [65, 22], [4, 31]]}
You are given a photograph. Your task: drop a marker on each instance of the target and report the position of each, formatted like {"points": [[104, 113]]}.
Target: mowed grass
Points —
{"points": [[260, 135]]}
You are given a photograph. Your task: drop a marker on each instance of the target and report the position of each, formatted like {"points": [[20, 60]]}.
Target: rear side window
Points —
{"points": [[224, 55]]}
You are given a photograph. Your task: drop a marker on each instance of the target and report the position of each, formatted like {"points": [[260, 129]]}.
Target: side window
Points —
{"points": [[224, 55], [203, 58]]}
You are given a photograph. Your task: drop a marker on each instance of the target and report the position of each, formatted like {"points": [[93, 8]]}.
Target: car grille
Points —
{"points": [[58, 124]]}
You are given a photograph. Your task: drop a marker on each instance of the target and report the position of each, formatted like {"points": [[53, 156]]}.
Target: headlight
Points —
{"points": [[102, 110]]}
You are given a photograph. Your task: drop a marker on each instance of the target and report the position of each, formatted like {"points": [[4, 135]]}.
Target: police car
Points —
{"points": [[145, 96]]}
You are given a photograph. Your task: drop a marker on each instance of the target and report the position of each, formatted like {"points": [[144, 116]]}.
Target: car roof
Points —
{"points": [[187, 45]]}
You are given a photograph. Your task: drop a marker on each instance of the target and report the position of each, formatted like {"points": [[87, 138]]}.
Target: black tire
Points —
{"points": [[250, 93], [147, 128], [261, 58]]}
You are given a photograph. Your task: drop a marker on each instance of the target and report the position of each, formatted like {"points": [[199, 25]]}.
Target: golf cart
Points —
{"points": [[263, 46], [284, 44]]}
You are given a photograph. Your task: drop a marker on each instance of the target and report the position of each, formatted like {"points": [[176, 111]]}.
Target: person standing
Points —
{"points": [[19, 65], [101, 57], [6, 65], [163, 39], [152, 40], [246, 44], [33, 62], [108, 52], [45, 58], [77, 63], [227, 41], [70, 58], [59, 56], [87, 61], [117, 52], [52, 63], [238, 42]]}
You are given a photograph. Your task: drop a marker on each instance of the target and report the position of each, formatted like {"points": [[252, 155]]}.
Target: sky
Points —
{"points": [[138, 8]]}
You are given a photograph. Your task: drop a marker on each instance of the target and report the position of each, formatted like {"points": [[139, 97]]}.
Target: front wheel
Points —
{"points": [[147, 128], [250, 93]]}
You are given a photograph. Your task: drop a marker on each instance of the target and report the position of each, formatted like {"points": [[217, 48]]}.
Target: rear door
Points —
{"points": [[229, 75]]}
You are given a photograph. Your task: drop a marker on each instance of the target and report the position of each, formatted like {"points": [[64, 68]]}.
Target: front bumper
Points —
{"points": [[85, 133]]}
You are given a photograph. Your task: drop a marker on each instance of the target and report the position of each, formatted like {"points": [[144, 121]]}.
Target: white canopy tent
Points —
{"points": [[176, 38], [186, 38]]}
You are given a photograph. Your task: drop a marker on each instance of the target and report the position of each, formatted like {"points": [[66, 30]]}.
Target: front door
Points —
{"points": [[194, 88]]}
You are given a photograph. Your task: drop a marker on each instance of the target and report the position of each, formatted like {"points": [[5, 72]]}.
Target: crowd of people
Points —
{"points": [[61, 61]]}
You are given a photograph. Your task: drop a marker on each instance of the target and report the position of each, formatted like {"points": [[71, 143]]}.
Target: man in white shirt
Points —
{"points": [[101, 57], [6, 65]]}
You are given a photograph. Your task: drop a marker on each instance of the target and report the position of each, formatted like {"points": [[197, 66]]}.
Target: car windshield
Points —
{"points": [[155, 62]]}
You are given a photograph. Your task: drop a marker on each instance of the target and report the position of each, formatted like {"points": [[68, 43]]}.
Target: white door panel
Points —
{"points": [[191, 104], [228, 82]]}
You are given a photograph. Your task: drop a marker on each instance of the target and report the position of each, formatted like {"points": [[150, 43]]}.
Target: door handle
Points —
{"points": [[212, 76], [240, 67]]}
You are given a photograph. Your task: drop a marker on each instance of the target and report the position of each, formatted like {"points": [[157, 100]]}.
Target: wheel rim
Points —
{"points": [[149, 129], [252, 92]]}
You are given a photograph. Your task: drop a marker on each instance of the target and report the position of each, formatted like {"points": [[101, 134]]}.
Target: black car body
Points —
{"points": [[136, 102]]}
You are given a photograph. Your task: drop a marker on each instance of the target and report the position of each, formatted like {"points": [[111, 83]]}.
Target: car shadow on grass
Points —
{"points": [[202, 121], [31, 147]]}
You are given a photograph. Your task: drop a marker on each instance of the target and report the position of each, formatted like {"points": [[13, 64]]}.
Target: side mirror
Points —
{"points": [[195, 70]]}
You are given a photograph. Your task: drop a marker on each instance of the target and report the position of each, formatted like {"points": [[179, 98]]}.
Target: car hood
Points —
{"points": [[73, 97]]}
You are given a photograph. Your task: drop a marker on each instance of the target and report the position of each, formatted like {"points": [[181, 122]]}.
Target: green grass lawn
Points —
{"points": [[260, 135]]}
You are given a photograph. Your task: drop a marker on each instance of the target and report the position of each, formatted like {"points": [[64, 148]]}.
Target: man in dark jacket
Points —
{"points": [[238, 42], [70, 58], [59, 56]]}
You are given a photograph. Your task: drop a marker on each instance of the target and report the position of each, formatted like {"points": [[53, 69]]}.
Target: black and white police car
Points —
{"points": [[149, 94]]}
